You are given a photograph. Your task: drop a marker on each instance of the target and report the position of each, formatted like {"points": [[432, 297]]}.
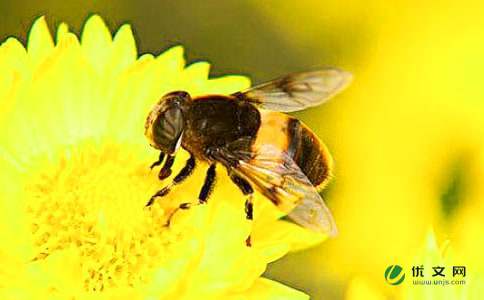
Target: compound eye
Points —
{"points": [[167, 129]]}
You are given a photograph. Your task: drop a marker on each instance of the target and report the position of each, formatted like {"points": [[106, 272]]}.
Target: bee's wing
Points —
{"points": [[277, 176], [297, 91]]}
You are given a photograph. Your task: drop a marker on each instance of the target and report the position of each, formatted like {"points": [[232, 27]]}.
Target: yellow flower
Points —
{"points": [[75, 181]]}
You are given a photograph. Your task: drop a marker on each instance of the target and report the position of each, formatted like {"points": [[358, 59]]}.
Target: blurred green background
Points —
{"points": [[407, 136], [235, 36]]}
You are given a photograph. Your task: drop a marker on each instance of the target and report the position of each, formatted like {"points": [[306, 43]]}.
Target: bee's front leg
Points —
{"points": [[165, 171], [159, 161], [181, 176]]}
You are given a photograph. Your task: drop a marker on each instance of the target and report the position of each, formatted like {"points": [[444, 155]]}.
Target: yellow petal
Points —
{"points": [[228, 84], [69, 279], [359, 288], [171, 60], [296, 237], [40, 43], [265, 289], [96, 42], [62, 30], [197, 71], [12, 53], [14, 67], [124, 51]]}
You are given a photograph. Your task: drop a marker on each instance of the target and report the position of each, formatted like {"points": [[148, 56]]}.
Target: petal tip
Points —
{"points": [[39, 40], [177, 51], [95, 27], [62, 30]]}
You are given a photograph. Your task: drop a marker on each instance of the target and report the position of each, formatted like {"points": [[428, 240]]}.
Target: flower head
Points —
{"points": [[75, 180]]}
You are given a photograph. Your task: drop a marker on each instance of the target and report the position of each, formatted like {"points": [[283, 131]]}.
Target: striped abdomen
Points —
{"points": [[305, 148]]}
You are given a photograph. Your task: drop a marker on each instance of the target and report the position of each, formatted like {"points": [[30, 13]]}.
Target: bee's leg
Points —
{"points": [[248, 191], [182, 175], [159, 161], [204, 192], [166, 169], [207, 185]]}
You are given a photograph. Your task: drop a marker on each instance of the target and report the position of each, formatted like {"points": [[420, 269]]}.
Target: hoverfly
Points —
{"points": [[260, 147]]}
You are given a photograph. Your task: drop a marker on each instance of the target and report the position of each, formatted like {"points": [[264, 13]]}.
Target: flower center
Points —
{"points": [[92, 199]]}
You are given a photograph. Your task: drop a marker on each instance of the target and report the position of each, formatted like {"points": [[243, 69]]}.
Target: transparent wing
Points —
{"points": [[313, 214], [297, 91], [277, 176]]}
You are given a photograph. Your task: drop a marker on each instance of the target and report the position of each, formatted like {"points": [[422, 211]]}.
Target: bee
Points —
{"points": [[249, 134]]}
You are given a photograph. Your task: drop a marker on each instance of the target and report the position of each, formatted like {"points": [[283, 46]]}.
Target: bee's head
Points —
{"points": [[165, 123]]}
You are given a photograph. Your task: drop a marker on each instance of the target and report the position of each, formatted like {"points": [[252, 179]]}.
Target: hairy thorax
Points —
{"points": [[216, 121]]}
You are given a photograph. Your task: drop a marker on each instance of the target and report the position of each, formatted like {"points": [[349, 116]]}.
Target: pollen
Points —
{"points": [[92, 200]]}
